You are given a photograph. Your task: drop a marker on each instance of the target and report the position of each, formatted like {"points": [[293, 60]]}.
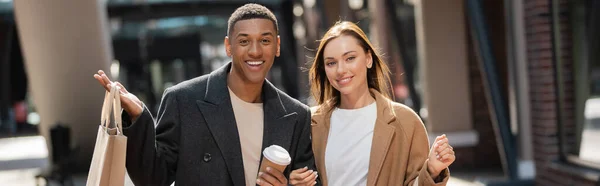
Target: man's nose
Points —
{"points": [[255, 50]]}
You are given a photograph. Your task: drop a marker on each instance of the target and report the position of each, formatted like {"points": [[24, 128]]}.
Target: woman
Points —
{"points": [[360, 136]]}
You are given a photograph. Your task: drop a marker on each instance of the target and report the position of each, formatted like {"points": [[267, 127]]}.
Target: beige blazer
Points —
{"points": [[399, 149]]}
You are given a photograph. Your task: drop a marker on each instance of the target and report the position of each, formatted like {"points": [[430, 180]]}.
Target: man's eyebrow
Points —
{"points": [[241, 35], [268, 33]]}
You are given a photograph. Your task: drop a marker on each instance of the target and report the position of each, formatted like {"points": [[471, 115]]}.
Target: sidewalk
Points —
{"points": [[23, 157]]}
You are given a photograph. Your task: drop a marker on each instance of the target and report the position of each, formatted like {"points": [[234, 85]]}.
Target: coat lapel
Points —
{"points": [[218, 113], [278, 122], [320, 132], [382, 136]]}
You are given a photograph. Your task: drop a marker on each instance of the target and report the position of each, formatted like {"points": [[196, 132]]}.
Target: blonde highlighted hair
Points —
{"points": [[378, 76]]}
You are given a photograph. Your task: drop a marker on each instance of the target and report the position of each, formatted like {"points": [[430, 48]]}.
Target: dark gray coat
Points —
{"points": [[196, 139]]}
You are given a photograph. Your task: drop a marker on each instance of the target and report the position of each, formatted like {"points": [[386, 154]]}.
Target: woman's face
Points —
{"points": [[346, 64]]}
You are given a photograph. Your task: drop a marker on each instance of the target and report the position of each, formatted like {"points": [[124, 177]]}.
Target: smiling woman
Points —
{"points": [[359, 135], [343, 35]]}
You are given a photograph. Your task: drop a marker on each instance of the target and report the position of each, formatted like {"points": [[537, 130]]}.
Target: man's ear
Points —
{"points": [[278, 46], [227, 46]]}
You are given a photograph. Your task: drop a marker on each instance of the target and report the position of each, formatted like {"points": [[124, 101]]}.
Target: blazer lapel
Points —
{"points": [[218, 113], [279, 124], [382, 137]]}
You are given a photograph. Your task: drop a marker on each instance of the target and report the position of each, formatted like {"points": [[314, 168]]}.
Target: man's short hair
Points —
{"points": [[251, 11]]}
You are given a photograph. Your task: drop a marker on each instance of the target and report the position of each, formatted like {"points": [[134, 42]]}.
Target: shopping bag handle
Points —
{"points": [[112, 99], [106, 105]]}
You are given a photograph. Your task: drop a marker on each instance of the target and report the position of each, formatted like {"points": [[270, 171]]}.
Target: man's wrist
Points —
{"points": [[137, 112]]}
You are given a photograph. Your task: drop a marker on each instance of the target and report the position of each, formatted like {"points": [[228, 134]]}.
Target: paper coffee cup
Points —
{"points": [[275, 157]]}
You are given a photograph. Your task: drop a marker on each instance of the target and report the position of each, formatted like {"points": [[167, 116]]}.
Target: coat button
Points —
{"points": [[207, 157]]}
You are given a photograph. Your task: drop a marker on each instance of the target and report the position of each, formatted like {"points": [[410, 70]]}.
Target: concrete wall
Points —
{"points": [[441, 40], [64, 43]]}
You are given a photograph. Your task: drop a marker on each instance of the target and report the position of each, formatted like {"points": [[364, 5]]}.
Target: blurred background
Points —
{"points": [[514, 84]]}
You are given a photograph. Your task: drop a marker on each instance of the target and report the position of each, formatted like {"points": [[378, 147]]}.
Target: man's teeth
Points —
{"points": [[255, 62]]}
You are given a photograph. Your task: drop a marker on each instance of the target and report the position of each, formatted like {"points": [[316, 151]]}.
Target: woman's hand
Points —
{"points": [[440, 156], [303, 176]]}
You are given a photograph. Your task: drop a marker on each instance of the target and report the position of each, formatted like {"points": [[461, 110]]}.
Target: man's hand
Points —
{"points": [[440, 156], [303, 177], [129, 102], [271, 178]]}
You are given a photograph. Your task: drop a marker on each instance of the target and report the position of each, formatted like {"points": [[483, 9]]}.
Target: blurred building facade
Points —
{"points": [[514, 84]]}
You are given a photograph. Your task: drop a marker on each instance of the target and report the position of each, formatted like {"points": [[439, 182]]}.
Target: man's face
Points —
{"points": [[252, 45]]}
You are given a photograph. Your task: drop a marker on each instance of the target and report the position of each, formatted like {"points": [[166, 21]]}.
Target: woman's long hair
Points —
{"points": [[378, 76]]}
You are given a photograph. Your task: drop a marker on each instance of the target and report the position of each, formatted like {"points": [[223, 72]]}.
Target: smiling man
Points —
{"points": [[211, 130]]}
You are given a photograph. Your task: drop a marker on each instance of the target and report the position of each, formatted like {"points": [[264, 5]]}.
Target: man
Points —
{"points": [[211, 129]]}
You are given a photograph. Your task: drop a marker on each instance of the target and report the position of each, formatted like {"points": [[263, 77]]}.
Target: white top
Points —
{"points": [[250, 124], [349, 145]]}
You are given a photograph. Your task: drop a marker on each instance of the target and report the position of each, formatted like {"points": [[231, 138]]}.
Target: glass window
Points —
{"points": [[152, 55], [585, 26]]}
